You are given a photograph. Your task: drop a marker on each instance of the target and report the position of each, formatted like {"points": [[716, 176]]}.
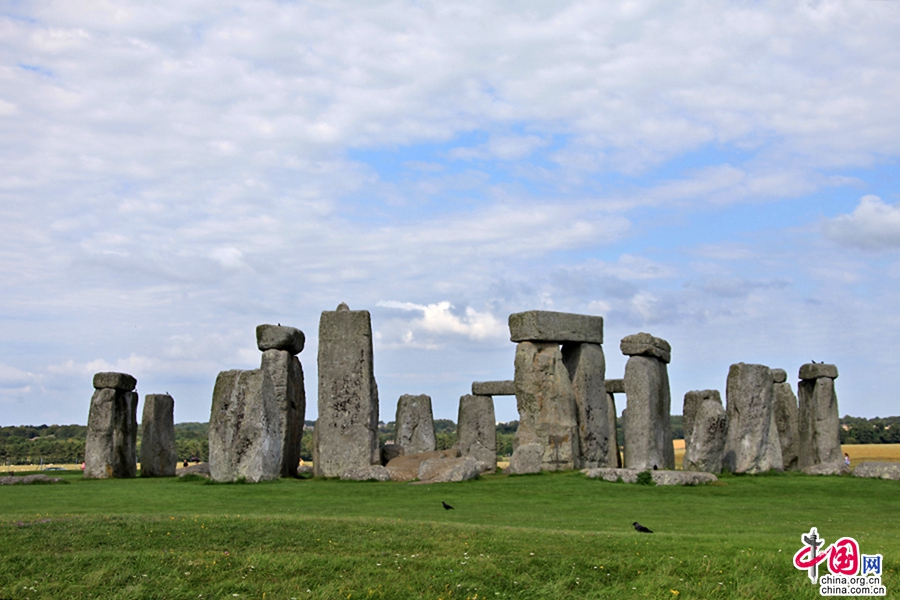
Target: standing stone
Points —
{"points": [[158, 455], [786, 420], [597, 431], [648, 434], [819, 422], [476, 431], [415, 424], [692, 402], [546, 403], [110, 447], [614, 386], [752, 444], [256, 422], [706, 449], [346, 433]]}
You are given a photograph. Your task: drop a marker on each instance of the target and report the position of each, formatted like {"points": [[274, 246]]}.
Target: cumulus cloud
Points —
{"points": [[873, 225], [438, 319]]}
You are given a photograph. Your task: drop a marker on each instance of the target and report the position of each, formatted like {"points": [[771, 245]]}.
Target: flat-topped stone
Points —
{"points": [[615, 386], [878, 470], [367, 473], [779, 375], [834, 467], [506, 387], [406, 467], [816, 370], [644, 344], [280, 337], [114, 381], [662, 477], [445, 470], [549, 326]]}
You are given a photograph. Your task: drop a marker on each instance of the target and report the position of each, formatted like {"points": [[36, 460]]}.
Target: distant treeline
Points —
{"points": [[54, 444]]}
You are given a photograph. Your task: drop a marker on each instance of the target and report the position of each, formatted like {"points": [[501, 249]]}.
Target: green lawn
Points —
{"points": [[541, 536]]}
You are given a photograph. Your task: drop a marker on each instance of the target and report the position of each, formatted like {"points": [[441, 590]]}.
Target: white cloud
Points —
{"points": [[873, 225], [438, 319]]}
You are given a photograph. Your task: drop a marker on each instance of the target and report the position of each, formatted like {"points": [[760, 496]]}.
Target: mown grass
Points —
{"points": [[543, 536]]}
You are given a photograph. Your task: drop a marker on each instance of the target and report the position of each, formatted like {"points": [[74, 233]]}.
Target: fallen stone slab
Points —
{"points": [[615, 386], [201, 469], [659, 477], [26, 479], [612, 474], [280, 337], [836, 467], [370, 473], [644, 344], [406, 467], [878, 470], [816, 370], [446, 470], [115, 381], [549, 326], [527, 458], [494, 388]]}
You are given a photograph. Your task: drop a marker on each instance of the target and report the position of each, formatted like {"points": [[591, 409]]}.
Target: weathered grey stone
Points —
{"points": [[546, 403], [548, 326], [752, 444], [256, 421], [819, 423], [111, 441], [527, 458], [280, 337], [366, 473], [476, 431], [406, 467], [494, 388], [878, 470], [836, 467], [201, 469], [692, 402], [612, 474], [391, 451], [116, 381], [415, 424], [615, 386], [158, 456], [346, 433], [644, 344], [817, 370], [706, 450], [787, 422], [445, 470], [659, 477], [779, 375], [26, 479], [611, 415], [648, 434], [596, 427]]}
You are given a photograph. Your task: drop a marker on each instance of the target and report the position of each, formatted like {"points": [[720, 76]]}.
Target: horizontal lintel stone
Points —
{"points": [[494, 388], [816, 370], [644, 344], [114, 381], [779, 375], [280, 337], [615, 386], [549, 326]]}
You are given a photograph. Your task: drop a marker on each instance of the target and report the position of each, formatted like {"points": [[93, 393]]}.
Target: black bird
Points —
{"points": [[640, 528], [446, 506]]}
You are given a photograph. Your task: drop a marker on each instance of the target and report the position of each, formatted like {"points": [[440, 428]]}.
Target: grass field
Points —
{"points": [[538, 536]]}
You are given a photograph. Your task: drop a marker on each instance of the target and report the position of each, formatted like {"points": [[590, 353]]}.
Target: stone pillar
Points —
{"points": [[786, 420], [819, 423], [256, 421], [692, 402], [346, 433], [110, 447], [476, 431], [648, 433], [752, 444], [706, 449], [415, 424], [613, 387], [158, 454], [561, 393]]}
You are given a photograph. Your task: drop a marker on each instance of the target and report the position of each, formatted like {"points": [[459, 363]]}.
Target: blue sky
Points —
{"points": [[721, 175]]}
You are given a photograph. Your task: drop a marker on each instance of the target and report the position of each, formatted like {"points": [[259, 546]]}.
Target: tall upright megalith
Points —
{"points": [[111, 444], [705, 451], [648, 434], [256, 421], [693, 400], [415, 424], [752, 444], [158, 455], [819, 422], [476, 431], [560, 392], [787, 420], [346, 433]]}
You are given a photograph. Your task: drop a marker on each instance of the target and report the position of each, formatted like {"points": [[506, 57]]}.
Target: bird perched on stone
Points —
{"points": [[446, 506], [640, 528]]}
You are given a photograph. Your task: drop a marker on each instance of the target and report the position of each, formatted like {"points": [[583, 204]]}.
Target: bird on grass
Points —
{"points": [[640, 528], [446, 506]]}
